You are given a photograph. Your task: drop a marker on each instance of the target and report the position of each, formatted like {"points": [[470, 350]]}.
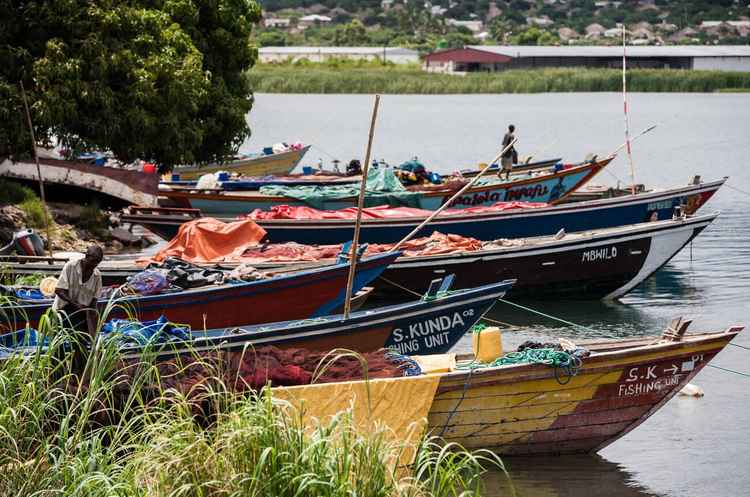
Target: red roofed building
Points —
{"points": [[464, 60]]}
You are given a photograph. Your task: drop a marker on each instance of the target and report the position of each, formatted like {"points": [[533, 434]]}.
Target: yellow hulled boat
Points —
{"points": [[534, 408], [277, 164]]}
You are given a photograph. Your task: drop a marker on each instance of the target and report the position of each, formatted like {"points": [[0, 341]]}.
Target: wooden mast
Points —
{"points": [[38, 171], [627, 119], [360, 206], [454, 197]]}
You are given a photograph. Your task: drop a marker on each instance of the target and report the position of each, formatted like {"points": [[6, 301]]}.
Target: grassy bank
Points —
{"points": [[328, 78], [137, 431]]}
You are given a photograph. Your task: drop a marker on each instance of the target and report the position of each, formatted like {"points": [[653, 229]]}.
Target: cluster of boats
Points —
{"points": [[527, 236]]}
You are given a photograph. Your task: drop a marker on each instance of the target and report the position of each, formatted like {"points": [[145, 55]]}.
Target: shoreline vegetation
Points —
{"points": [[373, 77], [139, 429]]}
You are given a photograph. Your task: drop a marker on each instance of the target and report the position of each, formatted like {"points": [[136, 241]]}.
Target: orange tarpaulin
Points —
{"points": [[210, 240]]}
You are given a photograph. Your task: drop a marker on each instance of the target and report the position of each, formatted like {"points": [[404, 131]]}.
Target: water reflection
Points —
{"points": [[566, 476]]}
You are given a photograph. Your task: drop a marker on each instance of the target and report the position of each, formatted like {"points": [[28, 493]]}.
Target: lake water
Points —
{"points": [[691, 447]]}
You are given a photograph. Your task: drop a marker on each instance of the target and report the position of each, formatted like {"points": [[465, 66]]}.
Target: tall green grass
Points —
{"points": [[123, 433], [321, 78]]}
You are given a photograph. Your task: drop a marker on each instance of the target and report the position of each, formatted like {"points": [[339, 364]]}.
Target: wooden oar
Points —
{"points": [[38, 171], [360, 206], [450, 200]]}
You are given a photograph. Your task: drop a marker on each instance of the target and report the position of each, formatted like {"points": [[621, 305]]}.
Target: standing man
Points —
{"points": [[78, 290], [507, 160]]}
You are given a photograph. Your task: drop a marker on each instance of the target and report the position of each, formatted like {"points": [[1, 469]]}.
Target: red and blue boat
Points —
{"points": [[482, 224], [299, 295]]}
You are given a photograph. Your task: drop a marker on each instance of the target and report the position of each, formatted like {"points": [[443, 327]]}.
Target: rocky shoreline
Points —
{"points": [[73, 228]]}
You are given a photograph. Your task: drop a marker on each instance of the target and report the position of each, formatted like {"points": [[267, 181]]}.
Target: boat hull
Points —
{"points": [[123, 185], [607, 264], [422, 327], [527, 410], [550, 188], [305, 294], [281, 163]]}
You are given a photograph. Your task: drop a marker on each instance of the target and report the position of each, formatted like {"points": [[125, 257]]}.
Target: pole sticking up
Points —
{"points": [[627, 119], [38, 171], [450, 200], [360, 206], [624, 144]]}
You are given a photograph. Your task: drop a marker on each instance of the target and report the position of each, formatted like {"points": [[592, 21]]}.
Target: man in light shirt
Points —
{"points": [[78, 290]]}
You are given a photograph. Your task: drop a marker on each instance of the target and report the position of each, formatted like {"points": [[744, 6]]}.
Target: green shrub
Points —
{"points": [[34, 211], [14, 193]]}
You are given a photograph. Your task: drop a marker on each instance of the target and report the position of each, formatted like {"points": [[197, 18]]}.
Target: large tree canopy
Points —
{"points": [[159, 80]]}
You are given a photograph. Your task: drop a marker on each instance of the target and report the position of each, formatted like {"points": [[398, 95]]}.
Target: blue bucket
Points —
{"points": [[307, 170], [223, 176], [175, 177], [268, 150]]}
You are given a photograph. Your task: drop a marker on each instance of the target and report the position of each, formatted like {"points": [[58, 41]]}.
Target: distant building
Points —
{"points": [[313, 20], [473, 26], [497, 58], [396, 55], [276, 22]]}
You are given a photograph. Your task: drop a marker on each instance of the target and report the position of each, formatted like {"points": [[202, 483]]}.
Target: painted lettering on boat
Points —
{"points": [[660, 205], [635, 389], [526, 192], [426, 335], [601, 254]]}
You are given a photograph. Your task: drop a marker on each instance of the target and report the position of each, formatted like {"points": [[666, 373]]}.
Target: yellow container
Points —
{"points": [[487, 344], [483, 165]]}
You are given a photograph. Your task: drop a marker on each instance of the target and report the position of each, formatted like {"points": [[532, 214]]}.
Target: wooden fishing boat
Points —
{"points": [[551, 188], [280, 163], [599, 264], [127, 186], [432, 324], [530, 409], [580, 216], [605, 263], [426, 326], [304, 294], [517, 407]]}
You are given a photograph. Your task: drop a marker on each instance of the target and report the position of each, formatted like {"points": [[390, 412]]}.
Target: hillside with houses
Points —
{"points": [[453, 23]]}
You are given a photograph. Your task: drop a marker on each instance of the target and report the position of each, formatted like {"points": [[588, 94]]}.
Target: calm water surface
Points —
{"points": [[691, 447]]}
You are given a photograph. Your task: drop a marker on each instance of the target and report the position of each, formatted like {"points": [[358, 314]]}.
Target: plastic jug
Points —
{"points": [[487, 344]]}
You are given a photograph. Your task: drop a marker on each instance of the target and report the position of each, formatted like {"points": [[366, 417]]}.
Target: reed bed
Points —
{"points": [[321, 78], [112, 434]]}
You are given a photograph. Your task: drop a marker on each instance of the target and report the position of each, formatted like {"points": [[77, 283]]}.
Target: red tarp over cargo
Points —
{"points": [[437, 243], [379, 212], [210, 240]]}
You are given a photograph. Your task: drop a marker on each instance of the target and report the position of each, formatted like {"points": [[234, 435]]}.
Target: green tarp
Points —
{"points": [[383, 187]]}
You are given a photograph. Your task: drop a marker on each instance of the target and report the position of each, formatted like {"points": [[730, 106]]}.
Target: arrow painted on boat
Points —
{"points": [[674, 369]]}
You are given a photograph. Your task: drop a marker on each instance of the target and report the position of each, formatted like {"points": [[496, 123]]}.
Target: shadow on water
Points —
{"points": [[566, 476]]}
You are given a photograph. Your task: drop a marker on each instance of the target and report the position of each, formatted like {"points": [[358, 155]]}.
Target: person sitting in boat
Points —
{"points": [[412, 172], [354, 168], [78, 289], [510, 156]]}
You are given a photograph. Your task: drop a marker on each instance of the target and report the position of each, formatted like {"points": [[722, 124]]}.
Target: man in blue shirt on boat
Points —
{"points": [[510, 155]]}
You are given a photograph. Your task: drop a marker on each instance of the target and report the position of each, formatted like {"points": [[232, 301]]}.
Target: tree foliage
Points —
{"points": [[159, 80]]}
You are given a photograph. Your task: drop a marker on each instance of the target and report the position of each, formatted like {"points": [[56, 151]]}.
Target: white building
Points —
{"points": [[396, 55], [313, 20], [276, 22]]}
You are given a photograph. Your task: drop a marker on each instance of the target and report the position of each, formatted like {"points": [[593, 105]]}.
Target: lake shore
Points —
{"points": [[350, 78]]}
